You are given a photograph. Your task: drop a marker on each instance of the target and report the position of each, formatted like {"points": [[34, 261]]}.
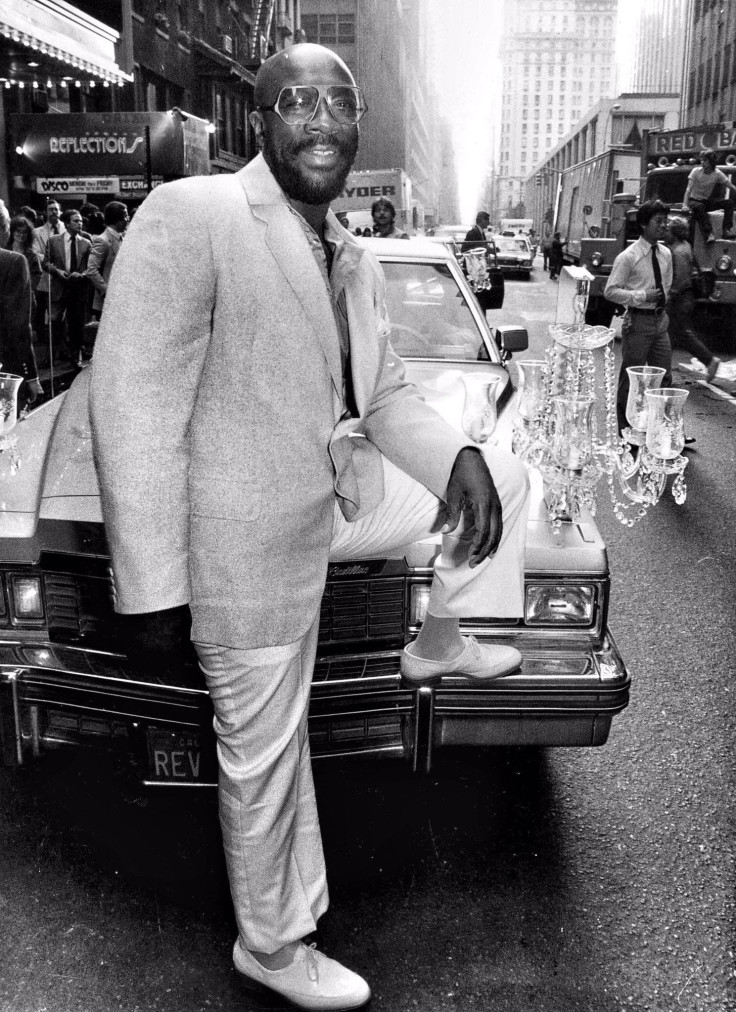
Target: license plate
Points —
{"points": [[178, 757]]}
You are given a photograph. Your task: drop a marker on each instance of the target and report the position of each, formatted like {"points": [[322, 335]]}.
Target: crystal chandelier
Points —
{"points": [[9, 386], [571, 436]]}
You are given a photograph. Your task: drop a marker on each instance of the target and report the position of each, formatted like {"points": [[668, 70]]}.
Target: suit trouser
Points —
{"points": [[644, 341], [268, 813]]}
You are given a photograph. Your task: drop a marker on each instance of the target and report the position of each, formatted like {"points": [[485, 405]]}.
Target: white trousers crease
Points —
{"points": [[268, 812]]}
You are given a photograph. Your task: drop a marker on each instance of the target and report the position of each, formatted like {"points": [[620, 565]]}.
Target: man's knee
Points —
{"points": [[509, 474]]}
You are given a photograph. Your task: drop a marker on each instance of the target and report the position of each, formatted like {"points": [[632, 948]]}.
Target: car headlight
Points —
{"points": [[418, 601], [559, 604], [724, 263], [596, 260], [27, 598]]}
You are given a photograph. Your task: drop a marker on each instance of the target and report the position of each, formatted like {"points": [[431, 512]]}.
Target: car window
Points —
{"points": [[510, 245], [429, 315]]}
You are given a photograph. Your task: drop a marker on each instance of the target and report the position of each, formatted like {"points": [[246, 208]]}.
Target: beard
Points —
{"points": [[310, 186]]}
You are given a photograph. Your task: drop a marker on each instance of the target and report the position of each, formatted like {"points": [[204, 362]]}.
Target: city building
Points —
{"points": [[106, 98], [385, 44], [612, 123], [659, 47], [709, 90], [558, 60]]}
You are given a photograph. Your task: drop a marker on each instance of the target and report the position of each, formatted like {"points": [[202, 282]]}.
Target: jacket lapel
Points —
{"points": [[364, 343], [287, 243]]}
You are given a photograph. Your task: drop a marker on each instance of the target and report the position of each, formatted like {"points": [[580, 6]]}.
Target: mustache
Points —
{"points": [[325, 140]]}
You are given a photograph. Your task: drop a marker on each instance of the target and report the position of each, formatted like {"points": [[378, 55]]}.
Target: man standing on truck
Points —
{"points": [[640, 279], [251, 423], [699, 200]]}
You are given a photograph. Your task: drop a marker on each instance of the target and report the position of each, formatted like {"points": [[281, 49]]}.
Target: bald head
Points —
{"points": [[305, 63]]}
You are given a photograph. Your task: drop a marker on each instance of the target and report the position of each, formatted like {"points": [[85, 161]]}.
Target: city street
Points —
{"points": [[571, 880]]}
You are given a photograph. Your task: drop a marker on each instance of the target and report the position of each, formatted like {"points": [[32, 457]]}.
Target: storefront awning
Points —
{"points": [[58, 31]]}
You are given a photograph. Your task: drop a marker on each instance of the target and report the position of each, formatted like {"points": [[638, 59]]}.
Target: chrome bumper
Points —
{"points": [[561, 696]]}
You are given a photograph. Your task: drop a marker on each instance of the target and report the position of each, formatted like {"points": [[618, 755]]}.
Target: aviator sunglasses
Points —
{"points": [[297, 105]]}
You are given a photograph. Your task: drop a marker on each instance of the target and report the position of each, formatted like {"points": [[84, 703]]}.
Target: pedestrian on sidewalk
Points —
{"points": [[556, 260], [16, 305], [681, 303], [66, 264]]}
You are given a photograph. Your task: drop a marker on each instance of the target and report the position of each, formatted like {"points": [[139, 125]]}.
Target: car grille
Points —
{"points": [[80, 608], [359, 610]]}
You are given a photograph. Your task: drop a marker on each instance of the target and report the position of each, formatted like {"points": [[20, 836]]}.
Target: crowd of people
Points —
{"points": [[55, 269]]}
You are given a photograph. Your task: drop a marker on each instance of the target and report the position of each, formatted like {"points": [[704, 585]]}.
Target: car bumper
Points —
{"points": [[563, 695]]}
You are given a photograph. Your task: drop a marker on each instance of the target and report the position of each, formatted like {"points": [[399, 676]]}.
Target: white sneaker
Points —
{"points": [[477, 661], [311, 981]]}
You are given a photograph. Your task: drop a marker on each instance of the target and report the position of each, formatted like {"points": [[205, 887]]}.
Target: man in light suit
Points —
{"points": [[251, 423], [66, 264], [104, 250], [41, 235]]}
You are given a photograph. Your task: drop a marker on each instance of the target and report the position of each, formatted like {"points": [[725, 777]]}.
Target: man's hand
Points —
{"points": [[34, 390], [471, 488], [157, 643]]}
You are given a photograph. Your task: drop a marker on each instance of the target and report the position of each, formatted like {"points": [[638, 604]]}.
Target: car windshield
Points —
{"points": [[429, 315], [510, 245]]}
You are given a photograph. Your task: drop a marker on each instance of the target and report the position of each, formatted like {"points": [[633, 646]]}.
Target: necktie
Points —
{"points": [[658, 276], [56, 229], [73, 256]]}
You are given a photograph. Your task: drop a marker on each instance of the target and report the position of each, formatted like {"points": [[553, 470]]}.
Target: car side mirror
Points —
{"points": [[511, 339]]}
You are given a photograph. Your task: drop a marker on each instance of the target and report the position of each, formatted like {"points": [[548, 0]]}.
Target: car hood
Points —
{"points": [[57, 479]]}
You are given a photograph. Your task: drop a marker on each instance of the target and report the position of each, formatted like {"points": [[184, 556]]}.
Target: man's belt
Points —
{"points": [[655, 311]]}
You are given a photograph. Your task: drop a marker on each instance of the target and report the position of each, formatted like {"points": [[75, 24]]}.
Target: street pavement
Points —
{"points": [[516, 880]]}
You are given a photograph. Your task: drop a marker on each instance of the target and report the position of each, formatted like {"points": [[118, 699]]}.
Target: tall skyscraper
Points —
{"points": [[558, 61], [710, 84], [659, 47]]}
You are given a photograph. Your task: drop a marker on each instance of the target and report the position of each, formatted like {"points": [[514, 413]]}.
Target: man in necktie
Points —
{"points": [[42, 323], [66, 263], [641, 278]]}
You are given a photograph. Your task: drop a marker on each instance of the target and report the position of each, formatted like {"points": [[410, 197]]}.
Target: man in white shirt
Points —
{"points": [[41, 236], [641, 278], [699, 196]]}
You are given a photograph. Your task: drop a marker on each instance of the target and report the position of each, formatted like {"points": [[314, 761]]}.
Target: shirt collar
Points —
{"points": [[642, 247]]}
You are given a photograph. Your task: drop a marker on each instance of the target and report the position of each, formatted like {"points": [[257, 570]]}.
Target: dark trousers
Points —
{"points": [[682, 333], [75, 306], [700, 209], [72, 307], [644, 341]]}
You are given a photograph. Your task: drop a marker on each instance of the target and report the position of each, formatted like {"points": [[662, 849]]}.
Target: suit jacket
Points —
{"points": [[216, 402], [63, 288], [104, 250], [16, 302], [474, 238]]}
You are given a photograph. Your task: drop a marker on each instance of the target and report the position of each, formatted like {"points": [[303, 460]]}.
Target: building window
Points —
{"points": [[329, 29]]}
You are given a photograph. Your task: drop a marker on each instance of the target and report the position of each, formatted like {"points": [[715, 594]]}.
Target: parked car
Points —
{"points": [[514, 254], [64, 677]]}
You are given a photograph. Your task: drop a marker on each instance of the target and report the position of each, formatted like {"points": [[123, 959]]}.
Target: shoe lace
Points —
{"points": [[312, 967]]}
